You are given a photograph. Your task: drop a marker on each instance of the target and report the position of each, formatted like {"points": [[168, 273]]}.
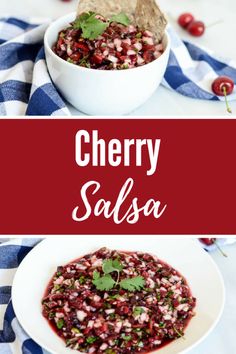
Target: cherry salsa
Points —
{"points": [[118, 47], [117, 302]]}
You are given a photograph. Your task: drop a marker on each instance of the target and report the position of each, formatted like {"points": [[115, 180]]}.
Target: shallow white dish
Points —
{"points": [[102, 92], [185, 255]]}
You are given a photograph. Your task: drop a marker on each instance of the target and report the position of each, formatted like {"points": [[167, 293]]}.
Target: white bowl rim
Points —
{"points": [[108, 72]]}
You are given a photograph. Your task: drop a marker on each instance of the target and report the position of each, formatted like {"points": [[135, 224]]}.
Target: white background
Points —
{"points": [[220, 38]]}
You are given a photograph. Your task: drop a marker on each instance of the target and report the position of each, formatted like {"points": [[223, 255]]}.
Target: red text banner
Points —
{"points": [[116, 176]]}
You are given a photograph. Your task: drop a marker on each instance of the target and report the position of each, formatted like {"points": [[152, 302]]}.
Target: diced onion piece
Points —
{"points": [[112, 58], [131, 52]]}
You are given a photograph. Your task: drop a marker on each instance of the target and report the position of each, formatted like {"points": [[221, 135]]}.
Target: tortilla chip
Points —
{"points": [[144, 13], [107, 8], [149, 16]]}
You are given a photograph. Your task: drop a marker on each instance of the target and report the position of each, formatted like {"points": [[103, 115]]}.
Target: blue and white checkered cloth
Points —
{"points": [[13, 339], [26, 87], [191, 70]]}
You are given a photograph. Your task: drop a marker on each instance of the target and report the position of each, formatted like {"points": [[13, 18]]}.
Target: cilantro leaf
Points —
{"points": [[60, 323], [121, 18], [104, 283], [107, 266], [96, 275], [162, 325], [117, 264], [91, 340], [138, 311], [125, 337], [91, 26], [110, 266], [82, 19], [132, 284]]}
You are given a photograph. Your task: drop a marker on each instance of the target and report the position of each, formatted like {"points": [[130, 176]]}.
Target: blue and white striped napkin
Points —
{"points": [[13, 339], [26, 87], [191, 70]]}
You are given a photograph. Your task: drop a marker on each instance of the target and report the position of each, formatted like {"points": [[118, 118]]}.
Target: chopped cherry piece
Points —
{"points": [[83, 47], [148, 56], [75, 56], [149, 47], [60, 42], [97, 58]]}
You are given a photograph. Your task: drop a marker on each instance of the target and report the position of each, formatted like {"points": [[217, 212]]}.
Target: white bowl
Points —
{"points": [[187, 256], [102, 92]]}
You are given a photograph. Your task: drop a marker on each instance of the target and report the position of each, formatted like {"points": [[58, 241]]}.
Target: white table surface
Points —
{"points": [[222, 339], [220, 38]]}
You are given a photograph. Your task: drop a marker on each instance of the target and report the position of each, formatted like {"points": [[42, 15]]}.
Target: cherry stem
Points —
{"points": [[226, 100], [215, 23], [219, 248]]}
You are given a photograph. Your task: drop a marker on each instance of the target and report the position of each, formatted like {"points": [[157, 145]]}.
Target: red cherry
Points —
{"points": [[196, 28], [223, 86], [208, 241], [185, 19]]}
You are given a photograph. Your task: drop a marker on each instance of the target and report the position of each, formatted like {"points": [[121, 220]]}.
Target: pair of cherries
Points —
{"points": [[188, 22]]}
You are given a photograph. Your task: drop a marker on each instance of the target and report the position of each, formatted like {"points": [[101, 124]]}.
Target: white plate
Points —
{"points": [[185, 255]]}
